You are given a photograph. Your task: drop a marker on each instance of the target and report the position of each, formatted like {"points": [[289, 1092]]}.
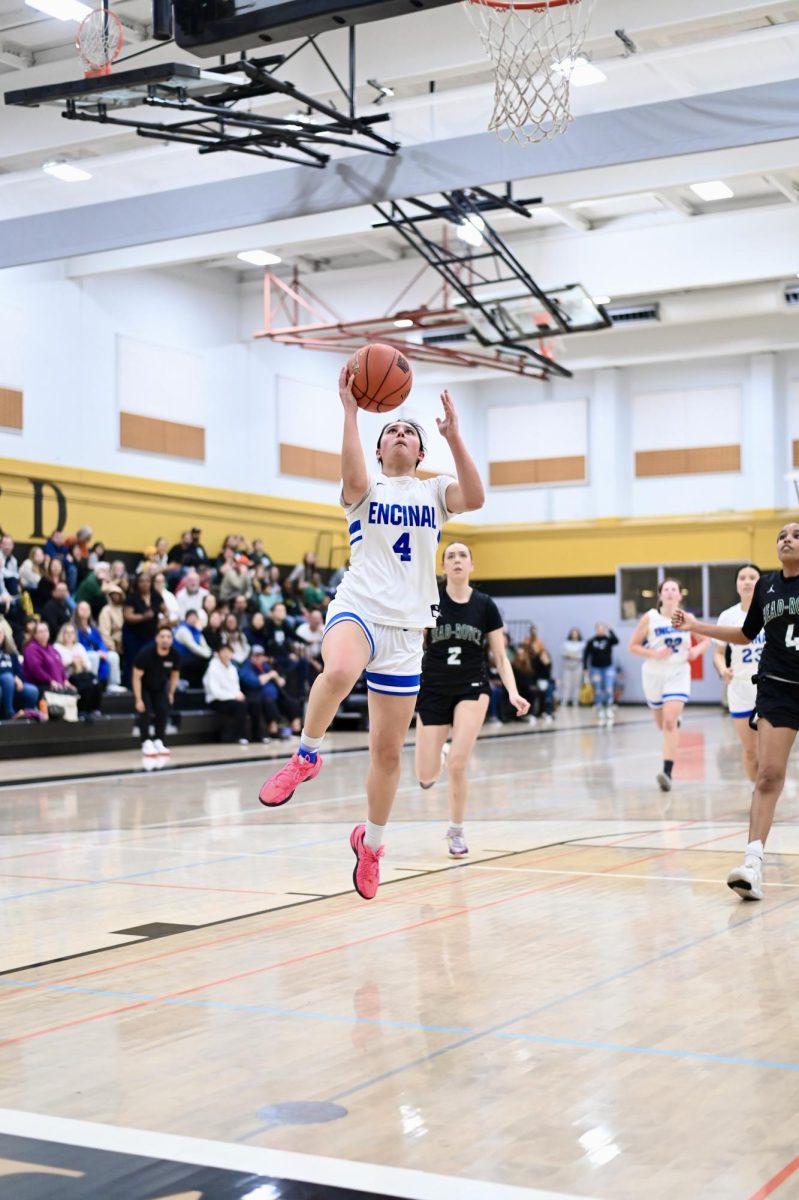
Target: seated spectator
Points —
{"points": [[96, 555], [181, 554], [190, 595], [209, 605], [9, 567], [171, 607], [143, 613], [56, 548], [91, 588], [213, 631], [119, 574], [15, 693], [313, 594], [230, 548], [545, 685], [154, 680], [78, 670], [295, 610], [224, 695], [111, 619], [524, 674], [241, 610], [31, 573], [149, 561], [53, 573], [259, 555], [234, 578], [256, 628], [103, 659], [192, 648], [28, 631], [301, 574], [197, 548], [236, 639], [78, 546], [310, 634], [267, 699], [42, 665], [269, 591], [58, 610]]}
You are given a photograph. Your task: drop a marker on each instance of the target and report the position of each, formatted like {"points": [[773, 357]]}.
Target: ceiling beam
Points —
{"points": [[568, 216], [692, 126]]}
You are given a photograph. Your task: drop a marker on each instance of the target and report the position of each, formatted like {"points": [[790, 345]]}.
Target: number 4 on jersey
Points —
{"points": [[790, 641], [402, 547]]}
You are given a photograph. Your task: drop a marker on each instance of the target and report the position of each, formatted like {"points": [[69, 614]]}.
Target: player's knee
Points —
{"points": [[385, 754], [770, 780], [338, 678], [457, 763]]}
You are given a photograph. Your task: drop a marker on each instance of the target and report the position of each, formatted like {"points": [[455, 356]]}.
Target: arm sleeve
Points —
{"points": [[349, 508], [441, 483], [493, 617], [754, 618]]}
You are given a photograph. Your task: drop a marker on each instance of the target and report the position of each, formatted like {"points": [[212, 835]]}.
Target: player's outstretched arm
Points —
{"points": [[704, 629], [468, 493], [354, 475]]}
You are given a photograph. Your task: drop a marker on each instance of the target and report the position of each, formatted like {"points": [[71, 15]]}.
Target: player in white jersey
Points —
{"points": [[741, 691], [666, 674], [387, 598]]}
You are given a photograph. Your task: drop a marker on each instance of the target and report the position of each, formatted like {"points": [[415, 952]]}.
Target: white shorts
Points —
{"points": [[665, 681], [741, 696], [395, 665]]}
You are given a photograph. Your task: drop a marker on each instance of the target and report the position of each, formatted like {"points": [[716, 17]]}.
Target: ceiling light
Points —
{"points": [[579, 71], [601, 299], [67, 172], [403, 323], [470, 230], [715, 189], [63, 10], [259, 258]]}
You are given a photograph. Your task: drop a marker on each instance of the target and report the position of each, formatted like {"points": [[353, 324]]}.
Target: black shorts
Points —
{"points": [[438, 708], [777, 703]]}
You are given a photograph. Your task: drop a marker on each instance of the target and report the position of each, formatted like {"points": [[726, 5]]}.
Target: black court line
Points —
{"points": [[461, 864], [171, 768]]}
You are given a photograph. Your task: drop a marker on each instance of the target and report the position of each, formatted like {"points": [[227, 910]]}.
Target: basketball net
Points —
{"points": [[99, 41], [533, 47]]}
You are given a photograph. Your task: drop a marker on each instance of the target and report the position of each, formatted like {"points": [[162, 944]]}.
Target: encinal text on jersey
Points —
{"points": [[421, 515]]}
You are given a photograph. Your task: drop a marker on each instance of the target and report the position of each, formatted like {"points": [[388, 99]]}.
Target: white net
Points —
{"points": [[534, 48], [99, 41]]}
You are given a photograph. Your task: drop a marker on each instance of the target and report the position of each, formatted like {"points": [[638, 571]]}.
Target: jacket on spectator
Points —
{"points": [[42, 665], [91, 590], [55, 615], [190, 642], [10, 664], [221, 682], [110, 622]]}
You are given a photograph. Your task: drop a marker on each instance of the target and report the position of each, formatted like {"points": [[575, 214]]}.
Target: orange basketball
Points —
{"points": [[381, 377]]}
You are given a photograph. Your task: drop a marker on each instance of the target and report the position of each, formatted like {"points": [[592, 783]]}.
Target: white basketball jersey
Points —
{"points": [[743, 659], [662, 633], [394, 534]]}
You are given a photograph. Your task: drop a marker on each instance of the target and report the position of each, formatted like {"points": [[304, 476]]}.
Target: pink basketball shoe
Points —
{"points": [[283, 784], [366, 875]]}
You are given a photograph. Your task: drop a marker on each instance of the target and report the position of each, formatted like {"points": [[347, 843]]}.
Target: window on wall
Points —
{"points": [[707, 588], [639, 587], [721, 591], [690, 577]]}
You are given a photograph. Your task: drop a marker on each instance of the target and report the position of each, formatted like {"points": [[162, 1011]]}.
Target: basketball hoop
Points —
{"points": [[533, 45], [99, 41]]}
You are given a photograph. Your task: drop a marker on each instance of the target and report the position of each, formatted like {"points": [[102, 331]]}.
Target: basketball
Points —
{"points": [[381, 377]]}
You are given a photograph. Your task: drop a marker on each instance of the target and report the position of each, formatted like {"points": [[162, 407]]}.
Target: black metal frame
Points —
{"points": [[212, 123], [470, 267]]}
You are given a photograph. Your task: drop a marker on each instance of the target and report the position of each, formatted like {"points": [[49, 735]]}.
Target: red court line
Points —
{"points": [[36, 1033], [768, 1189], [31, 853]]}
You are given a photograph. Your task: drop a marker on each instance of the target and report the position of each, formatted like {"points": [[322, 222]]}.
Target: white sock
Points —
{"points": [[311, 743], [755, 849], [456, 828], [374, 835]]}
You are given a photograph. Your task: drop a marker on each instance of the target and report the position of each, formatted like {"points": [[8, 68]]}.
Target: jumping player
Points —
{"points": [[387, 598], [775, 610], [455, 688], [666, 674], [743, 666]]}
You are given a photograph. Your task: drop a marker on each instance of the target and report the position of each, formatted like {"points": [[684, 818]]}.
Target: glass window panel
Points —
{"points": [[721, 587], [690, 578], [639, 587]]}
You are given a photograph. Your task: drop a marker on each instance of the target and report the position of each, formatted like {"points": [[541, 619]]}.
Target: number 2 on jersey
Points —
{"points": [[402, 547], [454, 656]]}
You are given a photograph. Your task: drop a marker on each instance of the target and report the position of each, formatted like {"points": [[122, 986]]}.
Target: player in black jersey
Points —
{"points": [[455, 688], [775, 609]]}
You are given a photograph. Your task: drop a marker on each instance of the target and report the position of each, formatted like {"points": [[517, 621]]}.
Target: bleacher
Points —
{"points": [[116, 728]]}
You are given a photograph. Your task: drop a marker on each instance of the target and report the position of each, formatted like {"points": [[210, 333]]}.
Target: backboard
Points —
{"points": [[124, 89], [523, 318], [223, 26]]}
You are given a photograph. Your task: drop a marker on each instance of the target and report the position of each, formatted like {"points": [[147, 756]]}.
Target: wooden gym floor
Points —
{"points": [[194, 1003]]}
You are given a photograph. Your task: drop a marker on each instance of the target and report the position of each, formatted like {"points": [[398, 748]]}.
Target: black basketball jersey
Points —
{"points": [[455, 657], [775, 608]]}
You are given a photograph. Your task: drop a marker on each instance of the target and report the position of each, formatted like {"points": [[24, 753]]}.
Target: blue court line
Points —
{"points": [[381, 1023], [533, 1012], [208, 862]]}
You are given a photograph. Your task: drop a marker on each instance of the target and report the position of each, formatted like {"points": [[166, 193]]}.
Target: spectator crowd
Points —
{"points": [[76, 623]]}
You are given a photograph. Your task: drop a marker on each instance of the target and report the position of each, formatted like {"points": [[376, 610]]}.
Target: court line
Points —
{"points": [[371, 1179], [776, 1181], [420, 1027]]}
